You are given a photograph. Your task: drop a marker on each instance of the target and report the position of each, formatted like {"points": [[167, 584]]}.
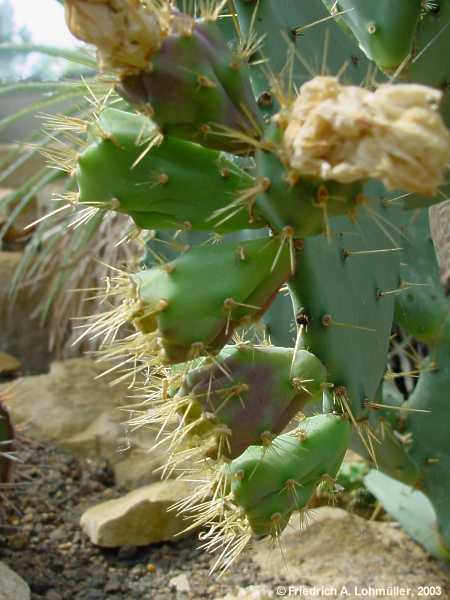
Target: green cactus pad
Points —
{"points": [[272, 483], [175, 184], [196, 86], [234, 284], [253, 391], [424, 311], [389, 448], [411, 509], [430, 447], [384, 29], [341, 300], [423, 308], [432, 45], [287, 25]]}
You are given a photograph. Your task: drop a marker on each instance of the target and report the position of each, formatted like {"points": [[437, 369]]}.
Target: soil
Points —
{"points": [[41, 540]]}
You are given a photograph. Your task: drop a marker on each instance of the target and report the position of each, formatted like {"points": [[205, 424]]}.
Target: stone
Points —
{"points": [[139, 518], [340, 551], [180, 583], [8, 364], [253, 592], [137, 466], [74, 409], [12, 587]]}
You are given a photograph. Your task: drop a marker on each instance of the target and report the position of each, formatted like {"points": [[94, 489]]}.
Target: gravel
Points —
{"points": [[41, 540]]}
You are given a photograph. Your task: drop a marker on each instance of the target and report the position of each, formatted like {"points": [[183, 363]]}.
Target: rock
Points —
{"points": [[71, 408], [180, 583], [254, 592], [8, 364], [12, 587], [343, 551], [19, 334], [137, 466], [139, 518]]}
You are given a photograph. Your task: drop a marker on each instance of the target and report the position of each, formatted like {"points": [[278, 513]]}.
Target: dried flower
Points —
{"points": [[127, 33], [348, 133]]}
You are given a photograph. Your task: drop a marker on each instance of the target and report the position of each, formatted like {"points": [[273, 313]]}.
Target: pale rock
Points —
{"points": [[75, 410], [180, 583], [12, 587], [253, 592], [339, 549], [137, 466], [139, 518]]}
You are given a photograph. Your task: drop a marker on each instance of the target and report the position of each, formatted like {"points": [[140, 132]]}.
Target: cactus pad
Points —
{"points": [[131, 168], [271, 483], [253, 391], [234, 284]]}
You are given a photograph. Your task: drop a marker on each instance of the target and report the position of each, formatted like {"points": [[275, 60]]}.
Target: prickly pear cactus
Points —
{"points": [[221, 136]]}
